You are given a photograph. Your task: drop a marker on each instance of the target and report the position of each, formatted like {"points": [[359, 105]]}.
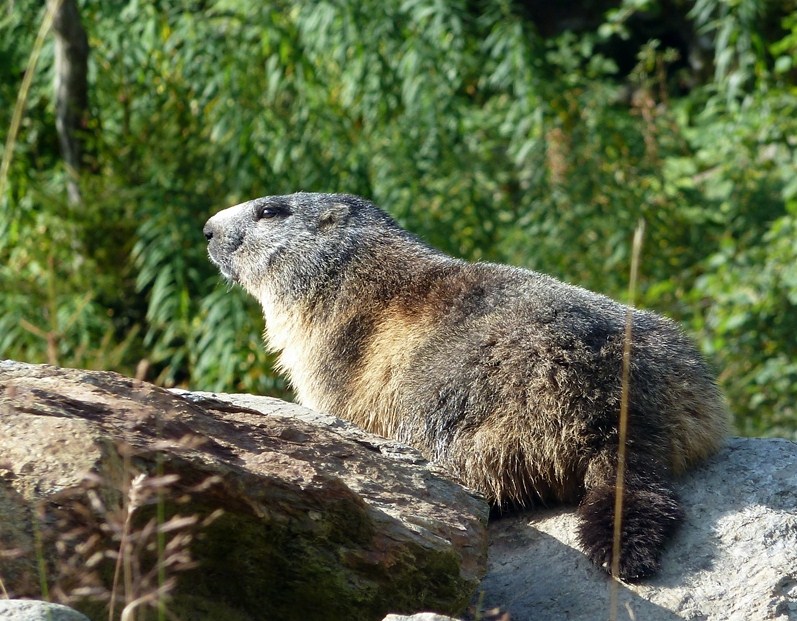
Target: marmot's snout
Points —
{"points": [[221, 245], [213, 236]]}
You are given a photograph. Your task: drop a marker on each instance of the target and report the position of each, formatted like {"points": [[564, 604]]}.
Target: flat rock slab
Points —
{"points": [[735, 557], [319, 520]]}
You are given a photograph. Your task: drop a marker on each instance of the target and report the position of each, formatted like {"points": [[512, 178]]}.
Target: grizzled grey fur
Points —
{"points": [[507, 377]]}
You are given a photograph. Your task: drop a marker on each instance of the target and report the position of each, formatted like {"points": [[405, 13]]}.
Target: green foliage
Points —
{"points": [[487, 137]]}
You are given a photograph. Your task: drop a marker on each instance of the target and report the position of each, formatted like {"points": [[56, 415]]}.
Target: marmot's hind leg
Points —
{"points": [[651, 514]]}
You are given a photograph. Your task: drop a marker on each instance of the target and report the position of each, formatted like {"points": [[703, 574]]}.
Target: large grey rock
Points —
{"points": [[320, 520], [34, 610], [735, 558]]}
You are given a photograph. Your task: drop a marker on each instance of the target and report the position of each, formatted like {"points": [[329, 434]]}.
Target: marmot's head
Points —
{"points": [[291, 241]]}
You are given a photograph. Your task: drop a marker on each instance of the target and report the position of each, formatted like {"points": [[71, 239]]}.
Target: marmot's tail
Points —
{"points": [[650, 515]]}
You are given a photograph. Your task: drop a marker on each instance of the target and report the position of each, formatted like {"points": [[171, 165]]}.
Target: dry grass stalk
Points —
{"points": [[7, 555], [22, 96], [104, 523], [623, 423]]}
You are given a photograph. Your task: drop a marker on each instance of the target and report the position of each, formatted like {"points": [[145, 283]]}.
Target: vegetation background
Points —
{"points": [[523, 131]]}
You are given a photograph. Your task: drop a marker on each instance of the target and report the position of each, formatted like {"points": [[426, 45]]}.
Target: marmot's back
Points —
{"points": [[510, 378]]}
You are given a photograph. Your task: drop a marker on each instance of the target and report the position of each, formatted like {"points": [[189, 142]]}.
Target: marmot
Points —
{"points": [[509, 378]]}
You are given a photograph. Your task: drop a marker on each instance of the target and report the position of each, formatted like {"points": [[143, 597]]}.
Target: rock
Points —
{"points": [[34, 610], [320, 520], [735, 557], [325, 521]]}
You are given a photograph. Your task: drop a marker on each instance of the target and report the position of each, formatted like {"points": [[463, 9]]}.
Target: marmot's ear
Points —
{"points": [[337, 213]]}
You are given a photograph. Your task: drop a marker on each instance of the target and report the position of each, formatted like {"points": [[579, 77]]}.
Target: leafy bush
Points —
{"points": [[493, 131]]}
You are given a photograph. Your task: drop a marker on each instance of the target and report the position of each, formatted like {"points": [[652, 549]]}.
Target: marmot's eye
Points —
{"points": [[269, 211]]}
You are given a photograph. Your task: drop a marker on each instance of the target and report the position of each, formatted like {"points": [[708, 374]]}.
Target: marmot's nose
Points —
{"points": [[208, 231]]}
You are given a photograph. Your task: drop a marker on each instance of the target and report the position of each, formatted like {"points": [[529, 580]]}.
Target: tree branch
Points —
{"points": [[71, 88]]}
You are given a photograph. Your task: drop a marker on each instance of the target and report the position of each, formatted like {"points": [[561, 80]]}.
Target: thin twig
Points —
{"points": [[24, 89]]}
